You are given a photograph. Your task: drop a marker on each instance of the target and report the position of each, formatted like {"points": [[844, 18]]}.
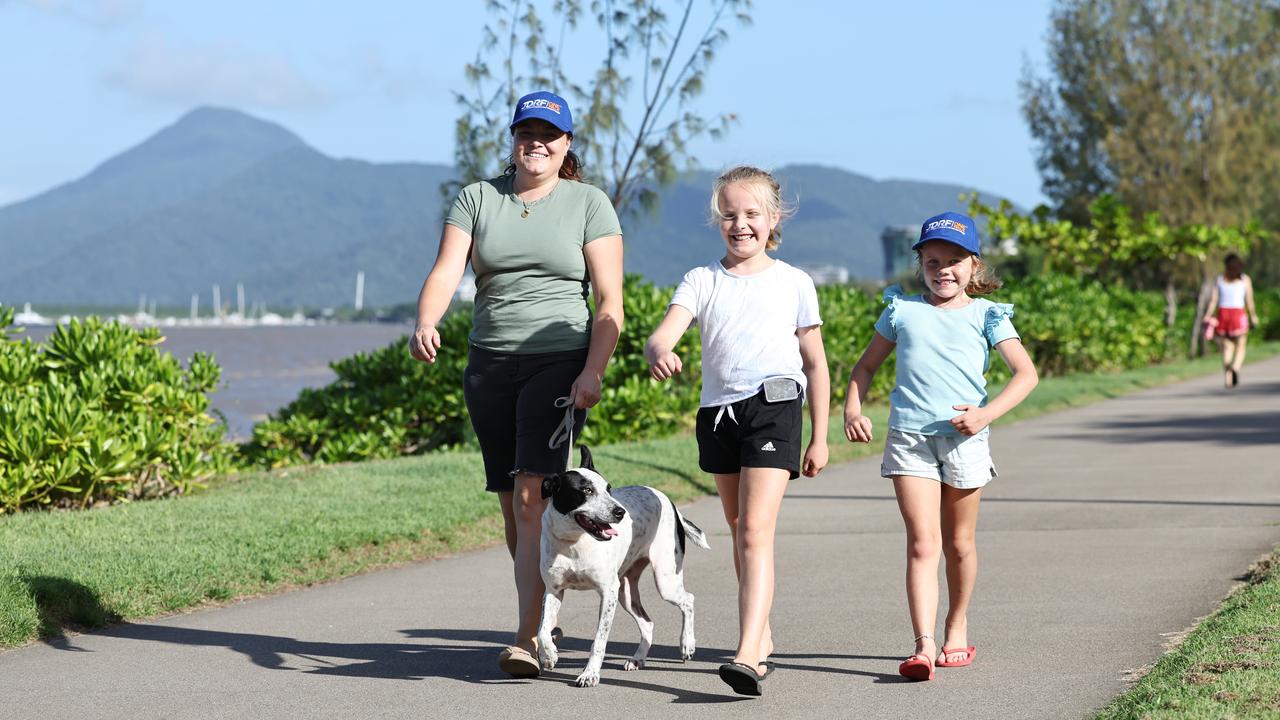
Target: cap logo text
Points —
{"points": [[948, 223], [541, 103]]}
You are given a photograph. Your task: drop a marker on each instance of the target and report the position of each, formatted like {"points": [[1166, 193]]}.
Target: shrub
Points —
{"points": [[98, 414], [1267, 303], [385, 403], [1076, 325]]}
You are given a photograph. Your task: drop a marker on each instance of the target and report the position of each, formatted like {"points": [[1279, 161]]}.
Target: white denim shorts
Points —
{"points": [[960, 461]]}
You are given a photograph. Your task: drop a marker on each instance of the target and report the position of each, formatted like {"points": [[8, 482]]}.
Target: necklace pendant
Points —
{"points": [[525, 214]]}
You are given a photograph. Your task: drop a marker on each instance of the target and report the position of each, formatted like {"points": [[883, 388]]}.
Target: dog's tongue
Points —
{"points": [[608, 531]]}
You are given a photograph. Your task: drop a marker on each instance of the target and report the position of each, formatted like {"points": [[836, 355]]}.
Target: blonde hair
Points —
{"points": [[765, 188], [983, 281]]}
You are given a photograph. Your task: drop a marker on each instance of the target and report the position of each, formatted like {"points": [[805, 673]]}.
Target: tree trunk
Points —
{"points": [[1170, 301], [1196, 347]]}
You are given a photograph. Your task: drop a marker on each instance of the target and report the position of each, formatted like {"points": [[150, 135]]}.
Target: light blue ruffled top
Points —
{"points": [[942, 356]]}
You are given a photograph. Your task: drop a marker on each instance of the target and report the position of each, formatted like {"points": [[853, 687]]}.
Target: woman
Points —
{"points": [[1231, 296], [535, 237]]}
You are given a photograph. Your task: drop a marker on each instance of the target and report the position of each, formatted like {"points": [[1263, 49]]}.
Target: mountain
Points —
{"points": [[839, 219], [223, 197]]}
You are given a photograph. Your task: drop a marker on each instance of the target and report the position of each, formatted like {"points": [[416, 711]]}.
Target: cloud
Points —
{"points": [[217, 74], [102, 13]]}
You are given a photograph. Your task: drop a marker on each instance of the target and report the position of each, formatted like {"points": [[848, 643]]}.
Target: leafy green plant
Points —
{"points": [[385, 403], [97, 413]]}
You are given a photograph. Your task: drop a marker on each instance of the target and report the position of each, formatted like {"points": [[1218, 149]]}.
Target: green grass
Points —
{"points": [[1228, 667], [258, 533]]}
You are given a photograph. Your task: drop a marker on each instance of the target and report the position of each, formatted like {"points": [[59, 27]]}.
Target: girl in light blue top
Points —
{"points": [[936, 450]]}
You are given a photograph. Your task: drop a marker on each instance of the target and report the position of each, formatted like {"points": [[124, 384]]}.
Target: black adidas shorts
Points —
{"points": [[759, 434]]}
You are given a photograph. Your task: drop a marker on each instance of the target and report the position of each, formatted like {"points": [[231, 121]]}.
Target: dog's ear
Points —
{"points": [[586, 458], [551, 485]]}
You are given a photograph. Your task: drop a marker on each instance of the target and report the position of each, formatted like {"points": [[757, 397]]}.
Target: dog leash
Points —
{"points": [[564, 433]]}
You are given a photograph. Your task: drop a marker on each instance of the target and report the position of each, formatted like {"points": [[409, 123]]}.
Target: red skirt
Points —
{"points": [[1232, 322]]}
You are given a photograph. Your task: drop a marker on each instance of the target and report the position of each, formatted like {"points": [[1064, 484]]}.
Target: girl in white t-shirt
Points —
{"points": [[761, 349]]}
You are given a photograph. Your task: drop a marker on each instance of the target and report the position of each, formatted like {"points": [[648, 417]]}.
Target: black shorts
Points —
{"points": [[511, 399], [760, 434]]}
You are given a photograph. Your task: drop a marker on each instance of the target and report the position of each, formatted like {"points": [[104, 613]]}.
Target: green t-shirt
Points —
{"points": [[531, 276]]}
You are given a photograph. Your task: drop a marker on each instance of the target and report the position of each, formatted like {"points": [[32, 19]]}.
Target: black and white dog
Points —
{"points": [[598, 538]]}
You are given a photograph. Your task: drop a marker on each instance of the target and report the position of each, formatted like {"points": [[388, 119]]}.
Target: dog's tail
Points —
{"points": [[685, 526]]}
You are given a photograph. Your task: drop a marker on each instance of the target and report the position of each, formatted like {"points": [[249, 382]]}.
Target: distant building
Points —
{"points": [[828, 274], [899, 258]]}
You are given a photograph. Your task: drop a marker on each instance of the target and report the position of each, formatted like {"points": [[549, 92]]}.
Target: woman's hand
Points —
{"points": [[665, 365], [857, 428], [424, 343], [585, 392]]}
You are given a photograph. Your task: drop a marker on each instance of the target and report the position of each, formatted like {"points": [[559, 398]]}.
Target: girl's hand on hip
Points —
{"points": [[815, 458], [424, 343], [857, 428], [972, 421], [665, 366], [585, 392]]}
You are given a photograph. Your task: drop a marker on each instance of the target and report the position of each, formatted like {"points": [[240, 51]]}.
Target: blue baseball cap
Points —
{"points": [[543, 105], [955, 228]]}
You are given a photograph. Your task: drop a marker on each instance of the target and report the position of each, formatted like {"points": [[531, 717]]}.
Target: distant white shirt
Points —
{"points": [[748, 325], [1231, 292]]}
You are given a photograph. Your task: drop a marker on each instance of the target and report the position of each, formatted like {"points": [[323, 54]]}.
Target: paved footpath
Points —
{"points": [[1110, 528]]}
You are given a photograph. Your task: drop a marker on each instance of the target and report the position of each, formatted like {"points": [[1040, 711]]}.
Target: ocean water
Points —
{"points": [[264, 368]]}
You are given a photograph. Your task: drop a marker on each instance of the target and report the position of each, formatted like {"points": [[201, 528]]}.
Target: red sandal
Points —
{"points": [[917, 666], [969, 653]]}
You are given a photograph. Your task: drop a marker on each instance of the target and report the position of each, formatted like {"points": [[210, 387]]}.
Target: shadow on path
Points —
{"points": [[470, 656], [63, 605], [1256, 428]]}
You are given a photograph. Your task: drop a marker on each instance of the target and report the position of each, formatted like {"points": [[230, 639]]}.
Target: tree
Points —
{"points": [[1171, 105], [1116, 244], [629, 143]]}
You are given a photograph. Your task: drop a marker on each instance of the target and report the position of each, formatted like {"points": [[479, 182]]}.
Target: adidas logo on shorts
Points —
{"points": [[768, 447]]}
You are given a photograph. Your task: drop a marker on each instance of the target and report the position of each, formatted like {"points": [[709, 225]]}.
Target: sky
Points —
{"points": [[921, 90]]}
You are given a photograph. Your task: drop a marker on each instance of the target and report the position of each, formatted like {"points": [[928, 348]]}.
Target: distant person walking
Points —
{"points": [[762, 354], [536, 236], [940, 460], [1230, 298]]}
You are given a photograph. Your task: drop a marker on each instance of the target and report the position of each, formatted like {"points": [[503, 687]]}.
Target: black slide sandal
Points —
{"points": [[742, 678]]}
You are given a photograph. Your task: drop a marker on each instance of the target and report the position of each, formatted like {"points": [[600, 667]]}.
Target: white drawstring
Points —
{"points": [[720, 414], [564, 432]]}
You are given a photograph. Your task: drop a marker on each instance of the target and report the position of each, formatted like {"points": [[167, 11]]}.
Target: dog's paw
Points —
{"points": [[686, 652], [548, 656], [633, 663], [588, 678]]}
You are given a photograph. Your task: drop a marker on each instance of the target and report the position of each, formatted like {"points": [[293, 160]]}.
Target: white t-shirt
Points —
{"points": [[1230, 292], [748, 325]]}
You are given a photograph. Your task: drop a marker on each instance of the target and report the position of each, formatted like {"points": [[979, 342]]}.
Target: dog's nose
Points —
{"points": [[618, 513]]}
